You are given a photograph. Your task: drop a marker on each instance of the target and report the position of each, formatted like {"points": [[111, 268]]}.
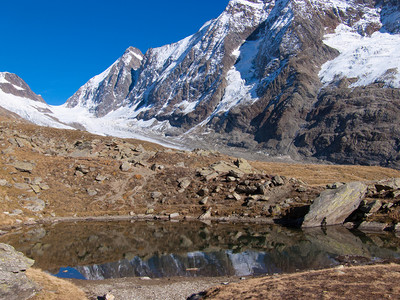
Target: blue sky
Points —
{"points": [[57, 45]]}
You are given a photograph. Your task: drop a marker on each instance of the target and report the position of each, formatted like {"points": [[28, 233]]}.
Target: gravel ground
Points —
{"points": [[141, 289]]}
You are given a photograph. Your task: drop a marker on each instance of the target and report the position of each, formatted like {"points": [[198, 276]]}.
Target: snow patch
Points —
{"points": [[369, 59]]}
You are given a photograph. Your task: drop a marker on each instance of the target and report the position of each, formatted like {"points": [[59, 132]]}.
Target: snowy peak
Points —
{"points": [[101, 94], [13, 85]]}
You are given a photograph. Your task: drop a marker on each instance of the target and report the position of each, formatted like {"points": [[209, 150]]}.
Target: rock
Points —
{"points": [[203, 201], [389, 184], [44, 186], [155, 167], [14, 284], [83, 169], [371, 206], [101, 177], [278, 180], [24, 166], [35, 188], [372, 226], [125, 166], [222, 167], [22, 186], [34, 204], [211, 176], [149, 211], [3, 182], [244, 165], [301, 189], [235, 173], [156, 195], [173, 216], [109, 296], [236, 196], [206, 215], [184, 182], [16, 212], [203, 192], [91, 192], [332, 207]]}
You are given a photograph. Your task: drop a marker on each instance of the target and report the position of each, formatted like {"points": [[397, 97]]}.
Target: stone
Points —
{"points": [[16, 212], [332, 207], [149, 211], [206, 215], [24, 166], [35, 188], [109, 296], [101, 177], [156, 195], [91, 192], [388, 184], [22, 186], [34, 204], [244, 165], [211, 176], [184, 182], [301, 189], [277, 180], [203, 192], [203, 201], [44, 186], [370, 206], [3, 182], [83, 169], [372, 226], [14, 284], [236, 196], [235, 173], [125, 166], [173, 216]]}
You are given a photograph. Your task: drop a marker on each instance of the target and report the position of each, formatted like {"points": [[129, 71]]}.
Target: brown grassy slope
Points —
{"points": [[365, 282], [320, 174], [53, 288]]}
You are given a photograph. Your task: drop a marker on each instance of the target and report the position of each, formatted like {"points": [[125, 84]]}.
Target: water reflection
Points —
{"points": [[164, 249]]}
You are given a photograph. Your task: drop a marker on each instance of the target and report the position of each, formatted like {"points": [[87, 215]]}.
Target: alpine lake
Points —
{"points": [[155, 249]]}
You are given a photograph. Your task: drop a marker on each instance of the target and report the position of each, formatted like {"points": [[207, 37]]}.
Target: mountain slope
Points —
{"points": [[304, 78]]}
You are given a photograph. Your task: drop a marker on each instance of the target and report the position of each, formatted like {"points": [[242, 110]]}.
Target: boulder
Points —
{"points": [[244, 166], [372, 226], [125, 166], [332, 207], [184, 182], [13, 281], [24, 166], [388, 184], [34, 204]]}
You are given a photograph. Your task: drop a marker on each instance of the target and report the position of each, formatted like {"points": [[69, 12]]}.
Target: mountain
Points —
{"points": [[298, 78]]}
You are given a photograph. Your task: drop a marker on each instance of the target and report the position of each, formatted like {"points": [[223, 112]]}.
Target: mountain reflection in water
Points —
{"points": [[164, 249]]}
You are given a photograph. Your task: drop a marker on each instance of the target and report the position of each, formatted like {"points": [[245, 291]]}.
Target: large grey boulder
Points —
{"points": [[332, 207], [15, 285]]}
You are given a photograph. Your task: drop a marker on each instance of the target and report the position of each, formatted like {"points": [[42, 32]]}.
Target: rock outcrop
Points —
{"points": [[14, 284], [332, 207]]}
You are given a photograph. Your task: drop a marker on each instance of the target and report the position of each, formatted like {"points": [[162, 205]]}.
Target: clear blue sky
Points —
{"points": [[57, 45]]}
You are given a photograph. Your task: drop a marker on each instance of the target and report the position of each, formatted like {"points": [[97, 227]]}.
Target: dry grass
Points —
{"points": [[366, 282], [318, 174], [54, 288]]}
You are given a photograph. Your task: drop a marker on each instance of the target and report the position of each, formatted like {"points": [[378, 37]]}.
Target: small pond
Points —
{"points": [[100, 250]]}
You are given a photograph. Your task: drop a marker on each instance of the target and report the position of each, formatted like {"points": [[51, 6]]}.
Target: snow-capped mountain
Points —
{"points": [[283, 77]]}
